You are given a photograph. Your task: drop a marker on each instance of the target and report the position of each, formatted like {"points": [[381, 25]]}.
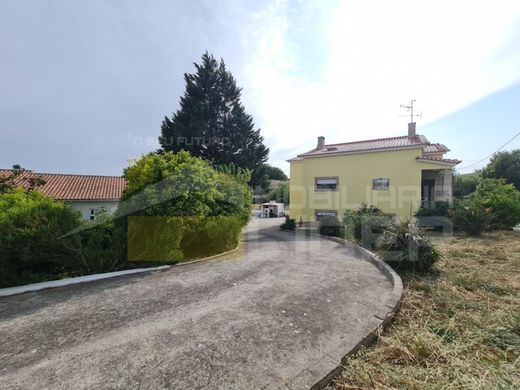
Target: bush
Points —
{"points": [[289, 224], [404, 248], [93, 248], [494, 205], [426, 215], [329, 226], [471, 217], [202, 210], [31, 245], [365, 224], [502, 199]]}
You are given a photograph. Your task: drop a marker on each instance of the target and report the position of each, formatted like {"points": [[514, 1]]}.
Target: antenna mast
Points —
{"points": [[409, 107]]}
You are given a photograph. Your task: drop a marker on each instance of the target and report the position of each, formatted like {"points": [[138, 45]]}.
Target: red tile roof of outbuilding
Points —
{"points": [[73, 187]]}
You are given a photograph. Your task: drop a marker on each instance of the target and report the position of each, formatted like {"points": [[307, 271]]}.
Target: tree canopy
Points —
{"points": [[211, 122], [504, 165], [275, 173]]}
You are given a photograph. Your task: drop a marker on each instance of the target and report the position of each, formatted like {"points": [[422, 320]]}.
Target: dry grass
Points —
{"points": [[458, 328]]}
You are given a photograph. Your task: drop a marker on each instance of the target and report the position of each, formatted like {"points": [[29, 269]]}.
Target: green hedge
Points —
{"points": [[191, 210], [31, 245]]}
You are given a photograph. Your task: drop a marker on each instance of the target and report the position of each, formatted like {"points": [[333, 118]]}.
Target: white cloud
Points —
{"points": [[445, 54]]}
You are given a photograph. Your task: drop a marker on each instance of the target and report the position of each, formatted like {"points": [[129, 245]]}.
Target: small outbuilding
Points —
{"points": [[272, 210]]}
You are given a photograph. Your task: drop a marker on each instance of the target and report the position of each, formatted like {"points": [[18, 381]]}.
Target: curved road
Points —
{"points": [[279, 313]]}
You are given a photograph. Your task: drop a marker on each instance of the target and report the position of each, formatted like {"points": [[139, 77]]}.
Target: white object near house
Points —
{"points": [[271, 209], [89, 194]]}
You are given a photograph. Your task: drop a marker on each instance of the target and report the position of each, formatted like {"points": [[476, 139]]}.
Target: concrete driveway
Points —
{"points": [[280, 313]]}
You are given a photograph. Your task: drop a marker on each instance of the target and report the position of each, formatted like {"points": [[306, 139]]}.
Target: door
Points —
{"points": [[427, 192]]}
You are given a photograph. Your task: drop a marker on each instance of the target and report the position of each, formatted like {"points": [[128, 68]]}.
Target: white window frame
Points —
{"points": [[325, 213], [326, 178]]}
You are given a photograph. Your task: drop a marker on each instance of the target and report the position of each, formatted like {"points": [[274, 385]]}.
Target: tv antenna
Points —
{"points": [[409, 107]]}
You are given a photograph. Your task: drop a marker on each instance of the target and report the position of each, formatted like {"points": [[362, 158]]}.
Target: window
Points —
{"points": [[321, 214], [380, 184], [326, 183], [92, 214]]}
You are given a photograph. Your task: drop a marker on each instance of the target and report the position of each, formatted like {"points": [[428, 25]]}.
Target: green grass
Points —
{"points": [[458, 328]]}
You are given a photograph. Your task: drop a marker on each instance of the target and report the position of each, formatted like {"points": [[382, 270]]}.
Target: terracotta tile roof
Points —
{"points": [[74, 187], [435, 148], [450, 161], [402, 142]]}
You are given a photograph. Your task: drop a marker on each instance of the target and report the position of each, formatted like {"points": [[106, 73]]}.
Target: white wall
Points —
{"points": [[84, 206]]}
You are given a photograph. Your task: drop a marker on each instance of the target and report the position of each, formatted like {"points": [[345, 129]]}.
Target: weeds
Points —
{"points": [[457, 329]]}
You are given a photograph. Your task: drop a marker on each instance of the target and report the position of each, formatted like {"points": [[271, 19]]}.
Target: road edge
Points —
{"points": [[396, 298], [34, 287]]}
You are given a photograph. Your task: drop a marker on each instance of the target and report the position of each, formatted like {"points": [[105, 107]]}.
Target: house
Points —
{"points": [[88, 194], [397, 175]]}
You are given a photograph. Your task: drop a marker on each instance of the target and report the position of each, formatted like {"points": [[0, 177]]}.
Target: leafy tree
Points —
{"points": [[280, 194], [212, 123], [275, 173], [260, 181], [465, 184], [504, 165]]}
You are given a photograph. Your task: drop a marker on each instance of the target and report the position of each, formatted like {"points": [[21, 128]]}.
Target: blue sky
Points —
{"points": [[84, 85]]}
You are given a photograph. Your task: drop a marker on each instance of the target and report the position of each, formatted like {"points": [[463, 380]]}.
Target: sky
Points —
{"points": [[84, 85]]}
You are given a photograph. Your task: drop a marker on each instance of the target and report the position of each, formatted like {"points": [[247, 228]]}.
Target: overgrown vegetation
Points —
{"points": [[365, 224], [458, 328], [494, 205], [405, 248]]}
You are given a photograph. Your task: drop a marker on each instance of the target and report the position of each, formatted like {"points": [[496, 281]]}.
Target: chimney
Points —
{"points": [[411, 129], [321, 142]]}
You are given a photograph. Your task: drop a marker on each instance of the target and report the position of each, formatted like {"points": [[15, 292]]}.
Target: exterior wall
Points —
{"points": [[84, 206], [355, 173]]}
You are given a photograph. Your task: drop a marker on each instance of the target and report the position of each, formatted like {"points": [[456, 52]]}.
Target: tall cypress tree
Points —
{"points": [[212, 123]]}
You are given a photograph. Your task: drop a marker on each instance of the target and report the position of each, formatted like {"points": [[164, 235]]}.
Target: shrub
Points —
{"points": [[426, 215], [93, 248], [192, 197], [404, 248], [503, 199], [329, 226], [289, 224], [494, 205], [31, 229], [365, 224], [471, 217]]}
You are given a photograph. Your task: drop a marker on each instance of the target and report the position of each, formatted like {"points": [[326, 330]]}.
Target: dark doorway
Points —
{"points": [[427, 192]]}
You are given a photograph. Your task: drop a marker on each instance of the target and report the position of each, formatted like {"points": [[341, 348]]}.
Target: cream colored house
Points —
{"points": [[395, 174]]}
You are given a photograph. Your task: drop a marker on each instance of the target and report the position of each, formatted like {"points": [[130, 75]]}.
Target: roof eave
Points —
{"points": [[303, 156]]}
